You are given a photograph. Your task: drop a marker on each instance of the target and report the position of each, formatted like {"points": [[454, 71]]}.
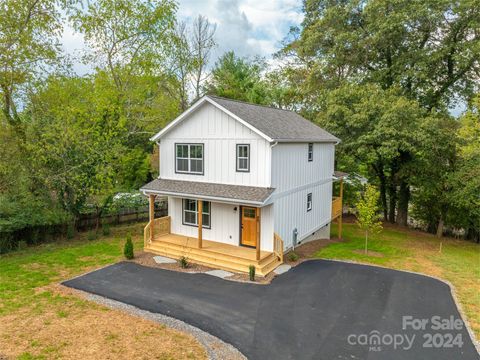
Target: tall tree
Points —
{"points": [[202, 43], [428, 49], [238, 78], [381, 130], [127, 36], [190, 56], [29, 32]]}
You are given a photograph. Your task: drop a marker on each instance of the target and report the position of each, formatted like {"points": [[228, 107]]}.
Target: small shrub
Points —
{"points": [[183, 262], [22, 244], [92, 235], [70, 231], [251, 272], [292, 256], [106, 230], [128, 249]]}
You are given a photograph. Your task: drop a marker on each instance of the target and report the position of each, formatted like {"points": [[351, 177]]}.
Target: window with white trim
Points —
{"points": [[310, 152], [309, 201], [243, 157], [190, 213], [189, 158]]}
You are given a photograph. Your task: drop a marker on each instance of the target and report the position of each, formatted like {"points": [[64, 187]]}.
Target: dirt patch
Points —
{"points": [[369, 253], [73, 328], [307, 251]]}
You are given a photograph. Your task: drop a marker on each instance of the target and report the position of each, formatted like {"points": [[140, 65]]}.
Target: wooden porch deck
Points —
{"points": [[213, 254]]}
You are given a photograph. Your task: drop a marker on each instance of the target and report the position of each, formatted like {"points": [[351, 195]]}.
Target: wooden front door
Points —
{"points": [[249, 226]]}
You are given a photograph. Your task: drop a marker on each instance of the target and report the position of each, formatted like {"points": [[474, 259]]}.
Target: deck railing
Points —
{"points": [[161, 226], [336, 207], [278, 246]]}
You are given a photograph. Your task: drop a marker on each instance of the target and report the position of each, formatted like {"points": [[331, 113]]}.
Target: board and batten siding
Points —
{"points": [[225, 224], [293, 177], [220, 134]]}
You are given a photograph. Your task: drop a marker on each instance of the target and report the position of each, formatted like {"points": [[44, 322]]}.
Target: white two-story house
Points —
{"points": [[244, 184]]}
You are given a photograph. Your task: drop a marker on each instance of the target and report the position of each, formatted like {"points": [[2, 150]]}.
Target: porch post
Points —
{"points": [[151, 213], [341, 210], [200, 218], [257, 247]]}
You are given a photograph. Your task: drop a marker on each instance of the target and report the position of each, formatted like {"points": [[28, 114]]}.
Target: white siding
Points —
{"points": [[219, 133], [291, 168], [225, 224], [294, 177]]}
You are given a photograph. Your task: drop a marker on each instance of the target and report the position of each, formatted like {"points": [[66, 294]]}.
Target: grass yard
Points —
{"points": [[42, 320], [398, 248]]}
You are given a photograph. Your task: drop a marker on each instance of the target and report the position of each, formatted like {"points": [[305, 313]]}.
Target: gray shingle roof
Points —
{"points": [[203, 189], [280, 125]]}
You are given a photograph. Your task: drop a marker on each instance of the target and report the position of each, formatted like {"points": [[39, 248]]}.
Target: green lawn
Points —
{"points": [[42, 320], [23, 272], [398, 248]]}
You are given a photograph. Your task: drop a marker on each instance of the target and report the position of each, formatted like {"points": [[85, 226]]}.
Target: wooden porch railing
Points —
{"points": [[336, 207], [278, 246], [160, 226]]}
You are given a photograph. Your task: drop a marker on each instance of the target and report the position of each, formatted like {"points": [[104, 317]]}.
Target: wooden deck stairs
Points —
{"points": [[214, 254]]}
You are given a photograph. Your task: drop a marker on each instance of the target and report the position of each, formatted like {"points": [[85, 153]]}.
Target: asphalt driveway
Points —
{"points": [[318, 310]]}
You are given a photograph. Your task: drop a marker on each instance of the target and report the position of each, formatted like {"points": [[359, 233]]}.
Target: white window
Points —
{"points": [[310, 152], [243, 157], [309, 201], [189, 158], [190, 213]]}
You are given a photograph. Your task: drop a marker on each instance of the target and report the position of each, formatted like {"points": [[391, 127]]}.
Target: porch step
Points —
{"points": [[211, 253], [214, 259]]}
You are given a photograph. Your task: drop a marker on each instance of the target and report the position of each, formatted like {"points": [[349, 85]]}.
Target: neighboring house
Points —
{"points": [[257, 179]]}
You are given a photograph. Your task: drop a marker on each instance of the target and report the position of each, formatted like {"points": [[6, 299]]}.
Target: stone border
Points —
{"points": [[216, 349], [470, 332]]}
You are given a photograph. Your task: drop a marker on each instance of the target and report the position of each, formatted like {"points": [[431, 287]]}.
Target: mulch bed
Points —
{"points": [[146, 259]]}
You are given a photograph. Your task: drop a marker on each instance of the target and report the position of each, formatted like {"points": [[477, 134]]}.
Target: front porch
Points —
{"points": [[159, 240]]}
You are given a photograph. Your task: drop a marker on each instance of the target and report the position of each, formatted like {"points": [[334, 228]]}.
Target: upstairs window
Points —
{"points": [[190, 213], [309, 201], [243, 157], [310, 152], [189, 158]]}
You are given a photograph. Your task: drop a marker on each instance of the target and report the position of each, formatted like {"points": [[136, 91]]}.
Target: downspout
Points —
{"points": [[272, 145]]}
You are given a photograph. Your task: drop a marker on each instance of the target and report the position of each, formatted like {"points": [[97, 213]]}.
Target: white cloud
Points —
{"points": [[248, 27]]}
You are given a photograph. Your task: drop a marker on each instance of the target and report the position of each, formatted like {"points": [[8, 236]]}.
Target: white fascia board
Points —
{"points": [[204, 197]]}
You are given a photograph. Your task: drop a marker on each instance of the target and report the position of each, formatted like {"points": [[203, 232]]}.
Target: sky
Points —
{"points": [[248, 27]]}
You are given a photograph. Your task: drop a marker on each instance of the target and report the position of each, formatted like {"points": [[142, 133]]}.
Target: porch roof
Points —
{"points": [[209, 191]]}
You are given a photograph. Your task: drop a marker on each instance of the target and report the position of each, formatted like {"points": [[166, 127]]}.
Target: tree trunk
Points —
{"points": [[392, 198], [440, 228], [403, 200], [383, 195], [366, 242]]}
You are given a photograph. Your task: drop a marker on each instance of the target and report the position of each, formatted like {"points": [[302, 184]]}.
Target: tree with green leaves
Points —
{"points": [[29, 33], [428, 50], [368, 212], [127, 37], [382, 135], [239, 79]]}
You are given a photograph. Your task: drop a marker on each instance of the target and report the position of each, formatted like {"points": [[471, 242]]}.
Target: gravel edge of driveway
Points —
{"points": [[453, 292], [216, 349]]}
